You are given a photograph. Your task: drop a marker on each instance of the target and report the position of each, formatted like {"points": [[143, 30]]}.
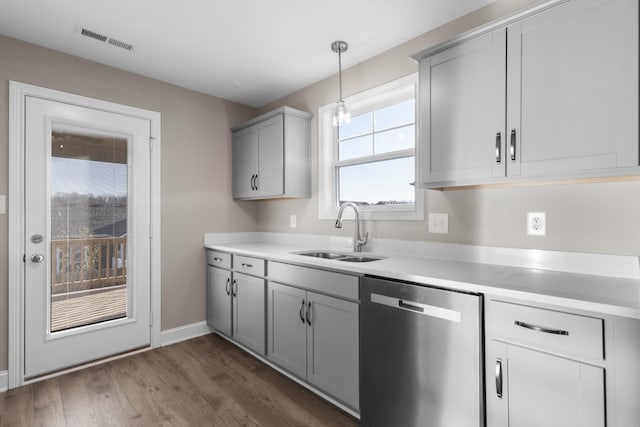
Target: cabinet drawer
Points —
{"points": [[218, 259], [328, 282], [550, 330], [249, 265]]}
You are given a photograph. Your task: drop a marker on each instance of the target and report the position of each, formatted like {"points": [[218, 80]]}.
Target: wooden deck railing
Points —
{"points": [[80, 264]]}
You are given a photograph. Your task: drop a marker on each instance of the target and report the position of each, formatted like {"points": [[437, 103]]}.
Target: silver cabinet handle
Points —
{"points": [[234, 288], [37, 258], [216, 259], [302, 312], [498, 148], [257, 182], [309, 313], [247, 265], [253, 185], [512, 145], [499, 378], [227, 288], [541, 328]]}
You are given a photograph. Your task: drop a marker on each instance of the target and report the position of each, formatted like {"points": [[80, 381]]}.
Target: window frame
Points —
{"points": [[373, 99]]}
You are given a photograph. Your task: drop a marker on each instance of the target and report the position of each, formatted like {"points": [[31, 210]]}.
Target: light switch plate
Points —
{"points": [[439, 223]]}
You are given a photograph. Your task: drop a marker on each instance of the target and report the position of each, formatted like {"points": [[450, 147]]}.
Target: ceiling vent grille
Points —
{"points": [[118, 43], [106, 39], [94, 35]]}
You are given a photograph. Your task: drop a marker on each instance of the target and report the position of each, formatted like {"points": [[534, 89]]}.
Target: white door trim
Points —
{"points": [[17, 93]]}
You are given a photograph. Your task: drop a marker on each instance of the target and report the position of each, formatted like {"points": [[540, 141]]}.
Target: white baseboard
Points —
{"points": [[182, 333], [4, 381]]}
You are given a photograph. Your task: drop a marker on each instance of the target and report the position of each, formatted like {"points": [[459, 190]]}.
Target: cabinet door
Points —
{"points": [[248, 311], [462, 103], [219, 299], [544, 390], [286, 328], [573, 89], [270, 181], [333, 347], [245, 162]]}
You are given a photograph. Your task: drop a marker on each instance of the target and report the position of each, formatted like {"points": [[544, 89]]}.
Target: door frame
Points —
{"points": [[16, 210]]}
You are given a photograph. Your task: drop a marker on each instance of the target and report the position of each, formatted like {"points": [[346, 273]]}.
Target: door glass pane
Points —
{"points": [[385, 182], [89, 199]]}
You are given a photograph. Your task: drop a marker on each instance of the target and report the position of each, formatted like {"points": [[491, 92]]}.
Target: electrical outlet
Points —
{"points": [[536, 223], [439, 223], [292, 221]]}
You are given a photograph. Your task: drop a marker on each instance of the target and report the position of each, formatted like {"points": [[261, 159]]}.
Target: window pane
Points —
{"points": [[356, 147], [395, 115], [358, 125], [395, 139], [89, 199], [378, 183]]}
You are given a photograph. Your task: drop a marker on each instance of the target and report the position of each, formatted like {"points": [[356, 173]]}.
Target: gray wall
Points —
{"points": [[598, 218], [196, 166]]}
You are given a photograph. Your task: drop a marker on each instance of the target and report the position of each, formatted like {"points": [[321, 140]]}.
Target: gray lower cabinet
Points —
{"points": [[548, 367], [315, 337], [219, 299], [248, 311], [236, 300]]}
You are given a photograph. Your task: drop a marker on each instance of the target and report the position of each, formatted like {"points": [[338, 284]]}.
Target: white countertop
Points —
{"points": [[606, 294]]}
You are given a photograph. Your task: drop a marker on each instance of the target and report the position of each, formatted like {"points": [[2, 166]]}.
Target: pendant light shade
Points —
{"points": [[341, 114]]}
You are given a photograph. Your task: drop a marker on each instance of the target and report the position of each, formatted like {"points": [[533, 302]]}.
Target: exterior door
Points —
{"points": [[87, 235]]}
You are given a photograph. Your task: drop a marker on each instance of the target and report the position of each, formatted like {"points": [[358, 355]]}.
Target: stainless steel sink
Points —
{"points": [[358, 259], [319, 254], [338, 256]]}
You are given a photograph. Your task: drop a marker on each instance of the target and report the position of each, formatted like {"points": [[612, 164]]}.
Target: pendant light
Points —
{"points": [[341, 114]]}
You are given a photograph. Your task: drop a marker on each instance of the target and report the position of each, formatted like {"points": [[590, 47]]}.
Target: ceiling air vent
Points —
{"points": [[106, 39], [94, 35]]}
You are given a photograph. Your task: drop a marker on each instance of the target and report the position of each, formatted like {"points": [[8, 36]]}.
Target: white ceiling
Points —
{"points": [[248, 51]]}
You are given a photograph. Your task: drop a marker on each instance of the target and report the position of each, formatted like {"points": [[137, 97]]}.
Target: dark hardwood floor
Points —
{"points": [[205, 381]]}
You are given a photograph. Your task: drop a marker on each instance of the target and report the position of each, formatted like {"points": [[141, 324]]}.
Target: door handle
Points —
{"points": [[498, 148], [302, 312], [37, 258], [499, 378], [309, 313], [541, 328], [512, 145]]}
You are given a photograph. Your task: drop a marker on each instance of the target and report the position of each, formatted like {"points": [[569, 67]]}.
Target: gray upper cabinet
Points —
{"points": [[271, 156], [570, 108], [462, 95]]}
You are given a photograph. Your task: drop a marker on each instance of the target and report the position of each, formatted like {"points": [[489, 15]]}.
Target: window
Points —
{"points": [[371, 160]]}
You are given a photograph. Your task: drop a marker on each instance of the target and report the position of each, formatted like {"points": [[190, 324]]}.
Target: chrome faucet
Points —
{"points": [[357, 240]]}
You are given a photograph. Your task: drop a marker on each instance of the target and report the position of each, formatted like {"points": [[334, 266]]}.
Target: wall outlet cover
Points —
{"points": [[439, 223], [536, 223], [293, 221]]}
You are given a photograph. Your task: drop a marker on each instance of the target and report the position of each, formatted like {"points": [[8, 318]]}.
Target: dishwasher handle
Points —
{"points": [[409, 306]]}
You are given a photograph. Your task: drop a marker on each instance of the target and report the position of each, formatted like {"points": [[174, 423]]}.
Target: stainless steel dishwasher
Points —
{"points": [[420, 356]]}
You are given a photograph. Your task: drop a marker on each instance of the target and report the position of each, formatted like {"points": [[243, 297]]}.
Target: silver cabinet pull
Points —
{"points": [[512, 145], [227, 288], [253, 180], [216, 259], [247, 265], [257, 182], [309, 313], [498, 148], [302, 312], [499, 378], [234, 288], [541, 328]]}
